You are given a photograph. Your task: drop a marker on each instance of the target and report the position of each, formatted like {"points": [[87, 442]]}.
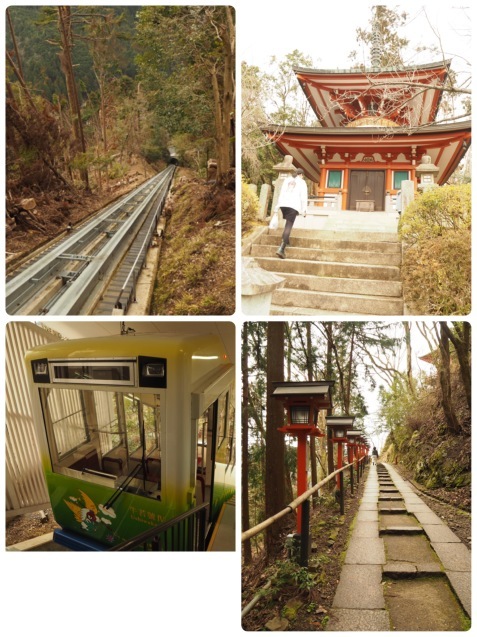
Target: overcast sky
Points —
{"points": [[327, 31]]}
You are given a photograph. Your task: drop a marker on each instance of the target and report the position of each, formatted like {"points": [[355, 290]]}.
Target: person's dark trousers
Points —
{"points": [[289, 214]]}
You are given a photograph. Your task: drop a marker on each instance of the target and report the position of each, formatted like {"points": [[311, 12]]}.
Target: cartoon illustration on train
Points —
{"points": [[136, 434]]}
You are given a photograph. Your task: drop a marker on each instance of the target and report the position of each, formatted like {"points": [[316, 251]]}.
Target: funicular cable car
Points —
{"points": [[134, 431]]}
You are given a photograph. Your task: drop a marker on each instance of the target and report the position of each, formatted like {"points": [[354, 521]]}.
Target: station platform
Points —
{"points": [[404, 568], [223, 538], [43, 542]]}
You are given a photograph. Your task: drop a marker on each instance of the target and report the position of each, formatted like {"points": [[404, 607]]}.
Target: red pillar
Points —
{"points": [[340, 464], [302, 482]]}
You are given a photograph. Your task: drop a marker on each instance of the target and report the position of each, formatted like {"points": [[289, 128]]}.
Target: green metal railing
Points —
{"points": [[186, 532]]}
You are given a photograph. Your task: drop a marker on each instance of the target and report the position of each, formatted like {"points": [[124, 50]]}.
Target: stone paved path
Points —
{"points": [[404, 568]]}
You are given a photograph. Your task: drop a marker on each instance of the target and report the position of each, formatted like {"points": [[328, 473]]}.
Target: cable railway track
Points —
{"points": [[93, 270]]}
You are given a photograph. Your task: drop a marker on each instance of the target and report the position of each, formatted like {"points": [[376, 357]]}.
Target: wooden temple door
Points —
{"points": [[366, 190]]}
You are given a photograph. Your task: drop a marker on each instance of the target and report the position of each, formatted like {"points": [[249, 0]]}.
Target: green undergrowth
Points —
{"points": [[196, 274], [436, 235]]}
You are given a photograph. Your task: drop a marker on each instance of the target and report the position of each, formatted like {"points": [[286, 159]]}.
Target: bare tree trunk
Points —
{"points": [[407, 336], [224, 96], [329, 371], [247, 548], [275, 443], [66, 35], [460, 338], [347, 401], [26, 91], [445, 380], [313, 460], [14, 40]]}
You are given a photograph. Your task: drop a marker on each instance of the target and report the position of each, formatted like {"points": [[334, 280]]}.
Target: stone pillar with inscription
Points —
{"points": [[264, 201], [407, 194]]}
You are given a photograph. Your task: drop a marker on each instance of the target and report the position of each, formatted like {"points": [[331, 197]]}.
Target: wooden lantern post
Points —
{"points": [[339, 425], [302, 402]]}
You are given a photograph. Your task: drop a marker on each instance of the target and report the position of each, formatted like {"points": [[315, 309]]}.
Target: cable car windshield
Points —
{"points": [[103, 433]]}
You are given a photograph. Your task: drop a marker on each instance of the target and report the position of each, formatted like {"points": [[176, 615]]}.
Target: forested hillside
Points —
{"points": [[98, 98], [406, 386]]}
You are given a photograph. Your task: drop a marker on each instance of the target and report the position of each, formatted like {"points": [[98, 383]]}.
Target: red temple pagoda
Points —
{"points": [[374, 128]]}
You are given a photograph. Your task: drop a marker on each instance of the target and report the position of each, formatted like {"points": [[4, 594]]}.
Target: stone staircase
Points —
{"points": [[339, 271]]}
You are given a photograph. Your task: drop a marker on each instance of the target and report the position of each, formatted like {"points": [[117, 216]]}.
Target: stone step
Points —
{"points": [[400, 530], [367, 287], [357, 304], [358, 234], [334, 270], [279, 310], [329, 269], [392, 510], [398, 570], [336, 255], [299, 241], [385, 498]]}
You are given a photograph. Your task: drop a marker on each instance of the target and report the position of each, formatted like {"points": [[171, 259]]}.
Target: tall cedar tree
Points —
{"points": [[66, 36], [247, 549], [275, 443]]}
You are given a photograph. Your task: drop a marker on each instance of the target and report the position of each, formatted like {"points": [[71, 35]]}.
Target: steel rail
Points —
{"points": [[77, 291], [28, 283], [132, 274], [20, 287]]}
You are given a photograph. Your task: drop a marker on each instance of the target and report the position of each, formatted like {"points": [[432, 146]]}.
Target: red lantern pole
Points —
{"points": [[302, 481], [350, 461], [303, 401], [340, 477], [340, 463]]}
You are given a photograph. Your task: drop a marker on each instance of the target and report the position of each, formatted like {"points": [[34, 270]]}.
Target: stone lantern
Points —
{"points": [[426, 172], [258, 286]]}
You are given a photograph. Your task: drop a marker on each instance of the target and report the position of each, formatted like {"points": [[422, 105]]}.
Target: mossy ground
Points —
{"points": [[196, 274], [315, 587]]}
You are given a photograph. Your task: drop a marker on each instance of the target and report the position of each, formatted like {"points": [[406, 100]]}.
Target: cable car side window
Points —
{"points": [[111, 435], [67, 420]]}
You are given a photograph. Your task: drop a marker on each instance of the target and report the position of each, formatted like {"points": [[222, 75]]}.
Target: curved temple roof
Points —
{"points": [[339, 97], [309, 146]]}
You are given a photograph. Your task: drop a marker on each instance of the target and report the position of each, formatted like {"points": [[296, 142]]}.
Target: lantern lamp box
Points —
{"points": [[303, 401]]}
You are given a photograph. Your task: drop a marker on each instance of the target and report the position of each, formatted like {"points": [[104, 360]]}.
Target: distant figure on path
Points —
{"points": [[374, 455], [292, 200]]}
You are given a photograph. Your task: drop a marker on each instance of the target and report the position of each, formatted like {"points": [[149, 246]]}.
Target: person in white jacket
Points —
{"points": [[292, 201]]}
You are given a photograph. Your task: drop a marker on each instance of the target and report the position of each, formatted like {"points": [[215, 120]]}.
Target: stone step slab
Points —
{"points": [[383, 247], [329, 269], [357, 304], [358, 234], [330, 255], [400, 530], [393, 510], [386, 498], [367, 287]]}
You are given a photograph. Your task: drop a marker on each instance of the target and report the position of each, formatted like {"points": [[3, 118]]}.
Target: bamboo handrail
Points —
{"points": [[246, 535]]}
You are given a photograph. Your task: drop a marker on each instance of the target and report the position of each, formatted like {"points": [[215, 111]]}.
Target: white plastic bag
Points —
{"points": [[273, 225]]}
